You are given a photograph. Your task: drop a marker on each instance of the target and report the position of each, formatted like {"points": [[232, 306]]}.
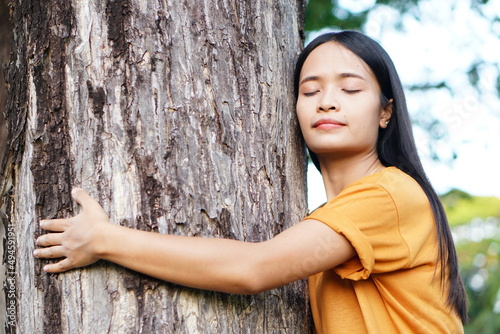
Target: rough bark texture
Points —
{"points": [[5, 36], [5, 39], [178, 116]]}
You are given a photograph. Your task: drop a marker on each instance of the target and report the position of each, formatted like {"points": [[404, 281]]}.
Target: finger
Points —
{"points": [[49, 253], [58, 267], [55, 225], [50, 239], [87, 202]]}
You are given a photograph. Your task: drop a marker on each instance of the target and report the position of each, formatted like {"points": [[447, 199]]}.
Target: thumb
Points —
{"points": [[85, 201]]}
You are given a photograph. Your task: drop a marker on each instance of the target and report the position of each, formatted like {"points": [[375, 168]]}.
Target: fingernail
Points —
{"points": [[74, 191], [35, 253], [42, 223], [46, 268]]}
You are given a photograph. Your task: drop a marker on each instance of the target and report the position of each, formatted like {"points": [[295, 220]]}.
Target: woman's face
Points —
{"points": [[338, 105]]}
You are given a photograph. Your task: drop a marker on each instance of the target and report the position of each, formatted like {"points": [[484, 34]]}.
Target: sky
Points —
{"points": [[439, 41]]}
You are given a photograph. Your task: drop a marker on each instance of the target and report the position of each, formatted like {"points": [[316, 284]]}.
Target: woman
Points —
{"points": [[379, 254]]}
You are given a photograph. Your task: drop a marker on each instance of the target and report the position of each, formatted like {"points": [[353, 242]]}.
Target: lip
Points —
{"points": [[328, 123]]}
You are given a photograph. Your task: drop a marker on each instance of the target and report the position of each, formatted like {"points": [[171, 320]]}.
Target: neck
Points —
{"points": [[338, 173]]}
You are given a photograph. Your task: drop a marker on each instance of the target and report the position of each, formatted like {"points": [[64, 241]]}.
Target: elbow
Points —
{"points": [[250, 288], [255, 272], [253, 286], [254, 279]]}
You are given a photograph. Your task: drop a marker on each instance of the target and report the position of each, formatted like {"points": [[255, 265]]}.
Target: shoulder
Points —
{"points": [[388, 191], [404, 190], [395, 181], [392, 183]]}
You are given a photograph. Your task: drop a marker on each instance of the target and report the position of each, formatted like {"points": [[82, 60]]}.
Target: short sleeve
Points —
{"points": [[366, 214]]}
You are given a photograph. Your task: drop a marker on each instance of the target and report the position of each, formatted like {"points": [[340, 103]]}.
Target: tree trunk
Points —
{"points": [[5, 35], [4, 57], [179, 118]]}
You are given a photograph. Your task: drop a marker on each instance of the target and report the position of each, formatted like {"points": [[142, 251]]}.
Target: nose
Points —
{"points": [[328, 103], [327, 107]]}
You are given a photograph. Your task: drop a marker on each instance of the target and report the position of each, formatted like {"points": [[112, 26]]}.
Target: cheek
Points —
{"points": [[299, 111], [368, 122]]}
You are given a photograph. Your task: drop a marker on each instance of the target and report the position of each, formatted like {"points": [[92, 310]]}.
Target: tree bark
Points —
{"points": [[5, 36], [179, 118]]}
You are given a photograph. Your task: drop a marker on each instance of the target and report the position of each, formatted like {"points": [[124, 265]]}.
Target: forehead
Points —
{"points": [[332, 58]]}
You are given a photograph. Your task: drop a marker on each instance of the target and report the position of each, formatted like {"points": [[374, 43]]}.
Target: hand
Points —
{"points": [[77, 239]]}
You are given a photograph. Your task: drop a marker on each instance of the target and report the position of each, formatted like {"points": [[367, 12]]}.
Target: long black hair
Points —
{"points": [[396, 147]]}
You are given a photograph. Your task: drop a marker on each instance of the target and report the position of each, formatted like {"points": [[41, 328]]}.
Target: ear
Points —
{"points": [[385, 116]]}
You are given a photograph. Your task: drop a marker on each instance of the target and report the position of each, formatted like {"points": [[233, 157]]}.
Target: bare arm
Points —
{"points": [[223, 265]]}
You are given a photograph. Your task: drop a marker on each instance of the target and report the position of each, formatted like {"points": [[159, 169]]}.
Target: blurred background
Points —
{"points": [[447, 53]]}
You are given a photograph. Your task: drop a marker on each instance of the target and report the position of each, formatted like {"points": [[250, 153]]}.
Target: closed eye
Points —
{"points": [[351, 91], [311, 93]]}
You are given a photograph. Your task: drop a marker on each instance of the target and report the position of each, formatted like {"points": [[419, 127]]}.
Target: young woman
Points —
{"points": [[379, 254]]}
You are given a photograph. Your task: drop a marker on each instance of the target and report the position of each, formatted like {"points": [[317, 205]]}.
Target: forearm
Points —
{"points": [[224, 265], [206, 263]]}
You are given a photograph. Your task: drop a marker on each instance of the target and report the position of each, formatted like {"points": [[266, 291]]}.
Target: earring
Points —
{"points": [[386, 122]]}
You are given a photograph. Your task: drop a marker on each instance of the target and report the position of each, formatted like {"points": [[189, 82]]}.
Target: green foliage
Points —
{"points": [[461, 207], [479, 261], [327, 13], [480, 270], [322, 13]]}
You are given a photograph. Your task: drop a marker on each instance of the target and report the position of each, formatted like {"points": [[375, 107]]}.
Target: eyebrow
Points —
{"points": [[341, 76]]}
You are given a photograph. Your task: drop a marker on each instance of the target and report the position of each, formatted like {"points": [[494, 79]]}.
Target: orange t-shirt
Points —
{"points": [[393, 284]]}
